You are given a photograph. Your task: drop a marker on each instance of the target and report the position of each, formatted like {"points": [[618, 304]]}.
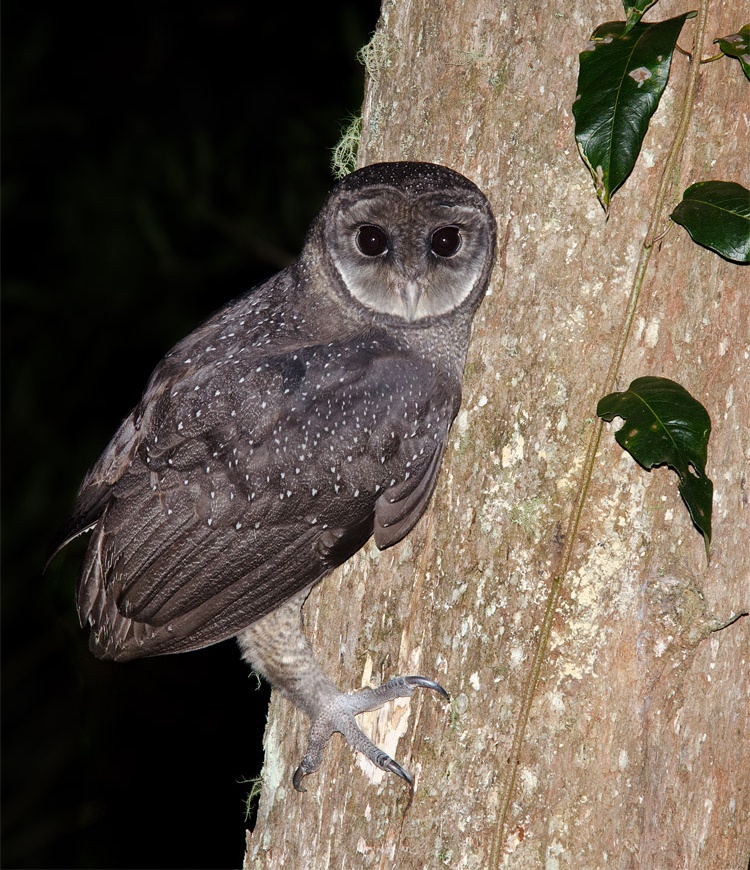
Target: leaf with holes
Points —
{"points": [[635, 11], [738, 45], [665, 425], [717, 216], [622, 76]]}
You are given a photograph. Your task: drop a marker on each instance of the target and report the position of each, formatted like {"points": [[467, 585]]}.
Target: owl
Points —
{"points": [[301, 420]]}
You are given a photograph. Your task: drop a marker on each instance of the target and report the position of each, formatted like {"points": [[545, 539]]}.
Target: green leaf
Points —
{"points": [[621, 79], [717, 216], [738, 45], [665, 425], [635, 11]]}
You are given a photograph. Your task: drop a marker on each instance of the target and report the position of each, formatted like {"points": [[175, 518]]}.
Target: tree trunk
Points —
{"points": [[636, 751]]}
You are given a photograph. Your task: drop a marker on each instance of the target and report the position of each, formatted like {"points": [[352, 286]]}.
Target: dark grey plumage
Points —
{"points": [[303, 418]]}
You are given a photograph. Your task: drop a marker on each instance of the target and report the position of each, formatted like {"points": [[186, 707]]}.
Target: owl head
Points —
{"points": [[408, 241]]}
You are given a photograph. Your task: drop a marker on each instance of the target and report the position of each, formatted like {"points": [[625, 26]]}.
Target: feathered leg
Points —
{"points": [[276, 647]]}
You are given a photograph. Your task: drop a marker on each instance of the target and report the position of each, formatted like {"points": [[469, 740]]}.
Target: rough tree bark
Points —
{"points": [[637, 750]]}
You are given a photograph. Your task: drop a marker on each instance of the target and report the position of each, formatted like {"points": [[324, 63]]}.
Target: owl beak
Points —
{"points": [[411, 293]]}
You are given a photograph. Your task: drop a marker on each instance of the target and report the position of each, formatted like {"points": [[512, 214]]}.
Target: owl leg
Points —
{"points": [[276, 647]]}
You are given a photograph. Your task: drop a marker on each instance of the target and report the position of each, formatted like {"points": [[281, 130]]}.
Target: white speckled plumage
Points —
{"points": [[303, 418]]}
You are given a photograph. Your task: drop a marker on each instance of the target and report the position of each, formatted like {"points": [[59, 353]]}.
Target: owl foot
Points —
{"points": [[338, 715]]}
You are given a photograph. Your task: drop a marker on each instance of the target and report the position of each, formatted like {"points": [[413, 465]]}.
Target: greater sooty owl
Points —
{"points": [[272, 443]]}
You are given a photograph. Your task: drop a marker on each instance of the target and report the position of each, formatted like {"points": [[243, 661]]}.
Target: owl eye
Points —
{"points": [[445, 241], [372, 240]]}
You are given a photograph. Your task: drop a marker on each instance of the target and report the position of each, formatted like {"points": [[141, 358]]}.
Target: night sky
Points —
{"points": [[158, 160]]}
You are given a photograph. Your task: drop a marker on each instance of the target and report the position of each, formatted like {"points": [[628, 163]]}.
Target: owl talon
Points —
{"points": [[299, 775], [423, 683], [394, 767]]}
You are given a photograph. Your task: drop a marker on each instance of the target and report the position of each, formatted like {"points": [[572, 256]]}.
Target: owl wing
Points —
{"points": [[209, 513]]}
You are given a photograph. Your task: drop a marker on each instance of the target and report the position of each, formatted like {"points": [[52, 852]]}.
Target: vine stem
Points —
{"points": [[652, 235]]}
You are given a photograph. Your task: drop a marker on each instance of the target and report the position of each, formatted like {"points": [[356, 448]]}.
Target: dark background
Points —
{"points": [[158, 159]]}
